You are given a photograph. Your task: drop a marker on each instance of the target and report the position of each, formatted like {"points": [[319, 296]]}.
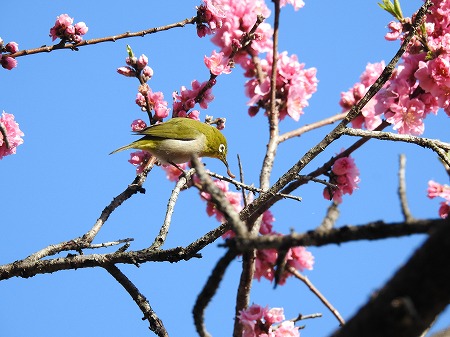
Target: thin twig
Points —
{"points": [[161, 237], [241, 178], [86, 240], [156, 325], [308, 127], [219, 199], [114, 38], [316, 292], [434, 144], [301, 317], [252, 188], [109, 244], [402, 190]]}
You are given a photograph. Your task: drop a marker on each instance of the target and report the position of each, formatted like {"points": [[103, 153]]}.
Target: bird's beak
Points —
{"points": [[228, 168]]}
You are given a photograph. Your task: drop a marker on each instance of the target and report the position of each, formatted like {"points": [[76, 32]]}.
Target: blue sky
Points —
{"points": [[74, 109]]}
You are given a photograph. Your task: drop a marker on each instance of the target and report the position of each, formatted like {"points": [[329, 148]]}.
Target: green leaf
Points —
{"points": [[130, 52]]}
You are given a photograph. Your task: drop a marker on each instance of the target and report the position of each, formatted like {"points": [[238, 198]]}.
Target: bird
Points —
{"points": [[177, 140]]}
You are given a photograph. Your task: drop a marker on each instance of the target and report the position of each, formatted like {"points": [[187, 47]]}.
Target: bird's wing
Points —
{"points": [[176, 130]]}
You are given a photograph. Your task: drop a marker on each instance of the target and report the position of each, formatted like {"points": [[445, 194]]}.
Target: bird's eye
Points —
{"points": [[221, 148]]}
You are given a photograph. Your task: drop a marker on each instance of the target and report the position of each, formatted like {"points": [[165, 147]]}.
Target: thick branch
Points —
{"points": [[412, 299], [373, 231]]}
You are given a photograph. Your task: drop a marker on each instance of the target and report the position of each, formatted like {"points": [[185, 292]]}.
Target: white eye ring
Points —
{"points": [[221, 148]]}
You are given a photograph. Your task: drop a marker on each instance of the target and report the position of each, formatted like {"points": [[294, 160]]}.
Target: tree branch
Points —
{"points": [[113, 38], [156, 325], [413, 297]]}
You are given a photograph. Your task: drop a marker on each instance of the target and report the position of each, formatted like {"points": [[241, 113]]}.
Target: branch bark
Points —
{"points": [[415, 295]]}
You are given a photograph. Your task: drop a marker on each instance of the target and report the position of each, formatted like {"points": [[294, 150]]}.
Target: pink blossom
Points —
{"points": [[261, 322], [81, 28], [407, 116], [444, 209], [344, 165], [434, 189], [217, 64], [434, 75], [287, 329], [126, 71], [266, 223], [8, 62], [139, 159], [297, 257], [186, 98], [64, 29], [371, 73], [296, 3], [300, 258], [274, 315], [142, 62], [294, 84], [253, 313], [345, 176], [369, 117], [209, 17], [147, 72], [138, 125], [396, 29], [264, 264], [239, 20], [12, 47], [173, 173], [13, 134]]}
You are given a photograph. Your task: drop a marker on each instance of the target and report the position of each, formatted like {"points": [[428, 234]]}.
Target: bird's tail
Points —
{"points": [[126, 147]]}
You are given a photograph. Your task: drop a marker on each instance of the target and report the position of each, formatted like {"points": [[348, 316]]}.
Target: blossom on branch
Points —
{"points": [[260, 321], [345, 176], [66, 31], [13, 134], [186, 99], [294, 86], [7, 61], [209, 18], [436, 190]]}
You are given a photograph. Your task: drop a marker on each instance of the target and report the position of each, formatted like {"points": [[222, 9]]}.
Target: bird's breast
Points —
{"points": [[178, 151]]}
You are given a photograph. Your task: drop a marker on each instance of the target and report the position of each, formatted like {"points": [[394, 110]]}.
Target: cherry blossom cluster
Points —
{"points": [[146, 99], [368, 118], [442, 191], [65, 30], [13, 134], [240, 17], [235, 199], [297, 257], [186, 99], [209, 18], [420, 84], [345, 176], [7, 61], [294, 86], [260, 321]]}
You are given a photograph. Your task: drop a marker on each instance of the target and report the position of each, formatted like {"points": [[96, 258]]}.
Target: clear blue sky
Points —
{"points": [[74, 109]]}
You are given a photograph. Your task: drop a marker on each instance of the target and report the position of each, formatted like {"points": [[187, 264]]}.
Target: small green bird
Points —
{"points": [[178, 139]]}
